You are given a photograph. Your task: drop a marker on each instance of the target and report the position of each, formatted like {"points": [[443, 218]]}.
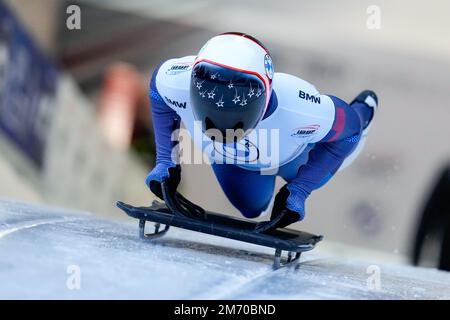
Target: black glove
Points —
{"points": [[281, 216], [172, 176]]}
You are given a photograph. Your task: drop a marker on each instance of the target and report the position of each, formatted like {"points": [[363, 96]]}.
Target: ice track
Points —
{"points": [[39, 244]]}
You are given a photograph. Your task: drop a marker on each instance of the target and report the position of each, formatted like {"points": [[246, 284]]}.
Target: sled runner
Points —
{"points": [[180, 212]]}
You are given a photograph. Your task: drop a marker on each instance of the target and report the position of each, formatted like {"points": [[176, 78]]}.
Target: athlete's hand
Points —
{"points": [[169, 172], [288, 206], [282, 215]]}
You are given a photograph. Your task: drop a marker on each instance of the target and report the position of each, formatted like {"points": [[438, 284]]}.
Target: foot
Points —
{"points": [[369, 100]]}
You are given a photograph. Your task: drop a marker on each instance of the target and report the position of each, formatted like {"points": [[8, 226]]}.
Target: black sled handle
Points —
{"points": [[179, 205]]}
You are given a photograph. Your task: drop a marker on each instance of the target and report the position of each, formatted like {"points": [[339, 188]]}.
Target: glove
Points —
{"points": [[296, 199], [283, 214], [169, 172]]}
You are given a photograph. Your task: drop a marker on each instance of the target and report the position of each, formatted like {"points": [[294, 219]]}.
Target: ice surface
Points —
{"points": [[38, 244]]}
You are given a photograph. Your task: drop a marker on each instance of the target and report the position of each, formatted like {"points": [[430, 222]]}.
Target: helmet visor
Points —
{"points": [[226, 100]]}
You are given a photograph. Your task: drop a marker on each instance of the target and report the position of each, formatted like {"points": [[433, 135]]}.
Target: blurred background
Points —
{"points": [[76, 131]]}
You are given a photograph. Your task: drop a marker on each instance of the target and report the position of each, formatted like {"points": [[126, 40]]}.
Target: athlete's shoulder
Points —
{"points": [[303, 102], [174, 73], [170, 82], [290, 82]]}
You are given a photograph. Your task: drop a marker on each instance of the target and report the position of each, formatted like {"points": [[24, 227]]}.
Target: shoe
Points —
{"points": [[370, 99]]}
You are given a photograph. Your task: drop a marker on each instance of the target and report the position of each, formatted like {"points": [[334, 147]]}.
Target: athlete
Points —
{"points": [[254, 124]]}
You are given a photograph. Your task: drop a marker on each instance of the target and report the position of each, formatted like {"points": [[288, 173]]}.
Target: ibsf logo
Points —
{"points": [[176, 103], [178, 68], [305, 131]]}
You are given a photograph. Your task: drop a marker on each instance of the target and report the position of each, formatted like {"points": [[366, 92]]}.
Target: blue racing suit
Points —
{"points": [[315, 136]]}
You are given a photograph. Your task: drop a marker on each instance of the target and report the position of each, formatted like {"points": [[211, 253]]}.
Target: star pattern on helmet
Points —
{"points": [[220, 102], [210, 90], [199, 84], [211, 94], [251, 92], [237, 98]]}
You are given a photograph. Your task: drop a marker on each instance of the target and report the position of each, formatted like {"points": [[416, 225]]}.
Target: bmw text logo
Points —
{"points": [[268, 65]]}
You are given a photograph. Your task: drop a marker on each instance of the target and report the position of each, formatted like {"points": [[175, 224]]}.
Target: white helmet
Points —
{"points": [[231, 83]]}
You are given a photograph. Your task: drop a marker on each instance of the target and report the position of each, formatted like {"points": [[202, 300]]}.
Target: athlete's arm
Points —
{"points": [[163, 123], [326, 157]]}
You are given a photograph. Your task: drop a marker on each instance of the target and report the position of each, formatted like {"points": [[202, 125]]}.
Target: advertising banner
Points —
{"points": [[27, 89]]}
